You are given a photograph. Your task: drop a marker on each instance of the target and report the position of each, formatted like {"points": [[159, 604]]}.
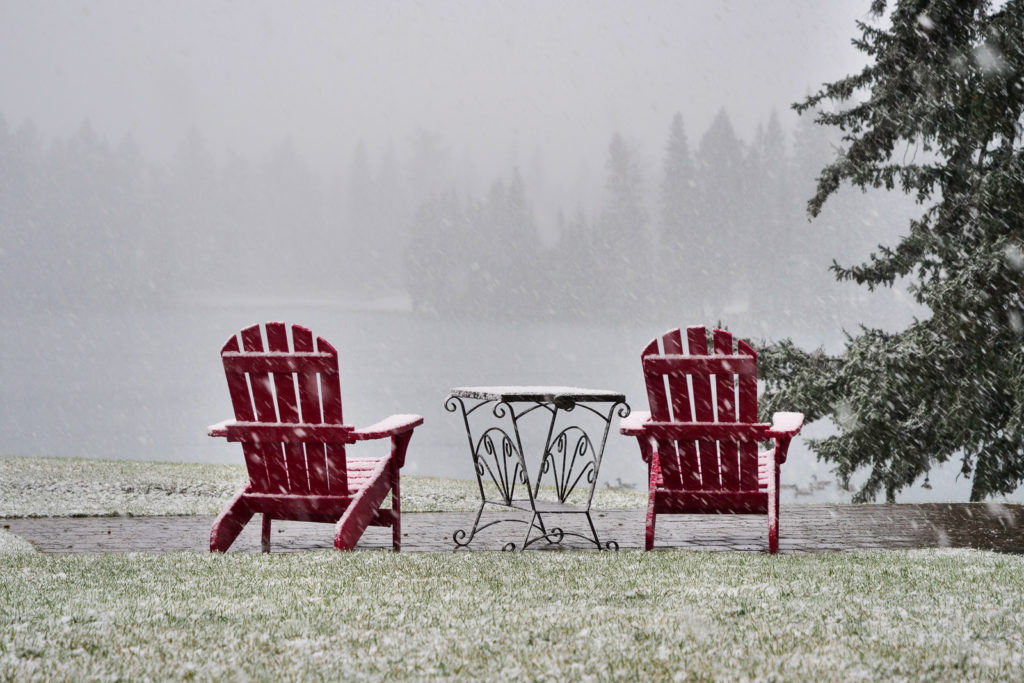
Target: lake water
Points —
{"points": [[144, 385]]}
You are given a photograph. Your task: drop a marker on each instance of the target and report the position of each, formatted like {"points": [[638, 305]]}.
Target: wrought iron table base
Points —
{"points": [[569, 458]]}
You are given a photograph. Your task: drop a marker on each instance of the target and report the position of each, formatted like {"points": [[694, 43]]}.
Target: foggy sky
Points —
{"points": [[498, 80]]}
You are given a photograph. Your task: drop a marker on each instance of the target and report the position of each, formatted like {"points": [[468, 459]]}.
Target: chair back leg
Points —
{"points": [[265, 538], [396, 508]]}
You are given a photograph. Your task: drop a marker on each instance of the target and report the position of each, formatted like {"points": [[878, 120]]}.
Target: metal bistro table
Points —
{"points": [[570, 456]]}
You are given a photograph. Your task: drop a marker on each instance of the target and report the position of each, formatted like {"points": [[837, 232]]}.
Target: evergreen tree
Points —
{"points": [[438, 273], [678, 221], [521, 247], [29, 260], [242, 201], [942, 120], [189, 238], [622, 230], [720, 264], [429, 166], [292, 206], [773, 237], [391, 219], [364, 246], [576, 287]]}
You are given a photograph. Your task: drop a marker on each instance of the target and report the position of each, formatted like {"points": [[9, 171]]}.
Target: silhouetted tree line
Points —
{"points": [[87, 223], [716, 233], [721, 234]]}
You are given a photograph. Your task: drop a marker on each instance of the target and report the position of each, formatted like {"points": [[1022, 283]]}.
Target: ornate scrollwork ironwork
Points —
{"points": [[460, 538], [502, 464], [570, 461], [570, 458], [452, 403]]}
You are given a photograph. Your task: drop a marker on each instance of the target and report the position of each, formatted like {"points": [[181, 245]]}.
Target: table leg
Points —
{"points": [[571, 458], [498, 461]]}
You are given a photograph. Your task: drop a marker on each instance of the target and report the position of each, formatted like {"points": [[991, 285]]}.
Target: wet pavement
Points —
{"points": [[803, 529]]}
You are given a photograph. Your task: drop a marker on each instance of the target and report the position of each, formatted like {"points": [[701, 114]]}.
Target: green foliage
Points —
{"points": [[938, 115]]}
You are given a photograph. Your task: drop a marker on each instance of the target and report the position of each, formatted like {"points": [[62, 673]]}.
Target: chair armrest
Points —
{"points": [[282, 432], [390, 426], [219, 429], [634, 424], [785, 425]]}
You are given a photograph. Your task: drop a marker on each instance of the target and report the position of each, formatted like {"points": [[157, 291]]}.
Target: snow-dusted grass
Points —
{"points": [[11, 544], [936, 615], [63, 487]]}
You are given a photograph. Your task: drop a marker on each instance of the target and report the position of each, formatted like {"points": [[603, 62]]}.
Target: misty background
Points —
{"points": [[452, 193]]}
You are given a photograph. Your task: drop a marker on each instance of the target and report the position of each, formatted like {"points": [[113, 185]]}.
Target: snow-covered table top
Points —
{"points": [[538, 393]]}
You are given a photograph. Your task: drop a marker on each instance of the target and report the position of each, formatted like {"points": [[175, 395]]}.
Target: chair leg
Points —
{"points": [[230, 523], [649, 535], [773, 511], [396, 509], [363, 508], [265, 538]]}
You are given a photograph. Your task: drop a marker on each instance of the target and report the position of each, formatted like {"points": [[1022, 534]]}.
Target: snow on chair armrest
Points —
{"points": [[786, 424], [634, 424], [282, 432], [219, 429], [389, 426]]}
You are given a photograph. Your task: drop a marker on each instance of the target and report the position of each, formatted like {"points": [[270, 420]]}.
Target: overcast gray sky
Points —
{"points": [[496, 79]]}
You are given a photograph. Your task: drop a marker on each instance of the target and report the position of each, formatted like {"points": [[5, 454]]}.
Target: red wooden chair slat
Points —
{"points": [[264, 405], [704, 410], [747, 398], [288, 409], [705, 432], [282, 361], [671, 455], [330, 393], [309, 405], [241, 401], [725, 399], [288, 418]]}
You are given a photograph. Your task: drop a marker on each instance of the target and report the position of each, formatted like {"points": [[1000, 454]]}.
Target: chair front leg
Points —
{"points": [[773, 502], [653, 477]]}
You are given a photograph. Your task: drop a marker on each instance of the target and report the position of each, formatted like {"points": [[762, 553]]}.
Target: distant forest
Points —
{"points": [[712, 231]]}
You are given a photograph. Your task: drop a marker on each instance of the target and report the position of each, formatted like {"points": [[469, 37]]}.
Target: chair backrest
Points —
{"points": [[282, 380], [710, 395]]}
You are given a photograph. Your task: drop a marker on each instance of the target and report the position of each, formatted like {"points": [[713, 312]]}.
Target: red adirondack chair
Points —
{"points": [[287, 402], [700, 437]]}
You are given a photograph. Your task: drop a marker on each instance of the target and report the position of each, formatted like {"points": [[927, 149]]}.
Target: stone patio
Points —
{"points": [[803, 529]]}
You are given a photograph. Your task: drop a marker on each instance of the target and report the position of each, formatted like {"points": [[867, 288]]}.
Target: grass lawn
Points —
{"points": [[72, 487], [934, 615]]}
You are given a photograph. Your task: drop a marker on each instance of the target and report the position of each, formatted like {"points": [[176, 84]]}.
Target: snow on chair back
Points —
{"points": [[706, 407], [292, 382]]}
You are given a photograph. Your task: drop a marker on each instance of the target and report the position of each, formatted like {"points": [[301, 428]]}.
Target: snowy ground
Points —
{"points": [[935, 615], [940, 614], [65, 487]]}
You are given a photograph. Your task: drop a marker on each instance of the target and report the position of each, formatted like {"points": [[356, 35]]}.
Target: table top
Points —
{"points": [[542, 394]]}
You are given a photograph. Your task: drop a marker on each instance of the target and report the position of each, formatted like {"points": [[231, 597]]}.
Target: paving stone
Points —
{"points": [[803, 529]]}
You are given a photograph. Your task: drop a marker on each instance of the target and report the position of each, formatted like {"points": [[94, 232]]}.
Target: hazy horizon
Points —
{"points": [[499, 82]]}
